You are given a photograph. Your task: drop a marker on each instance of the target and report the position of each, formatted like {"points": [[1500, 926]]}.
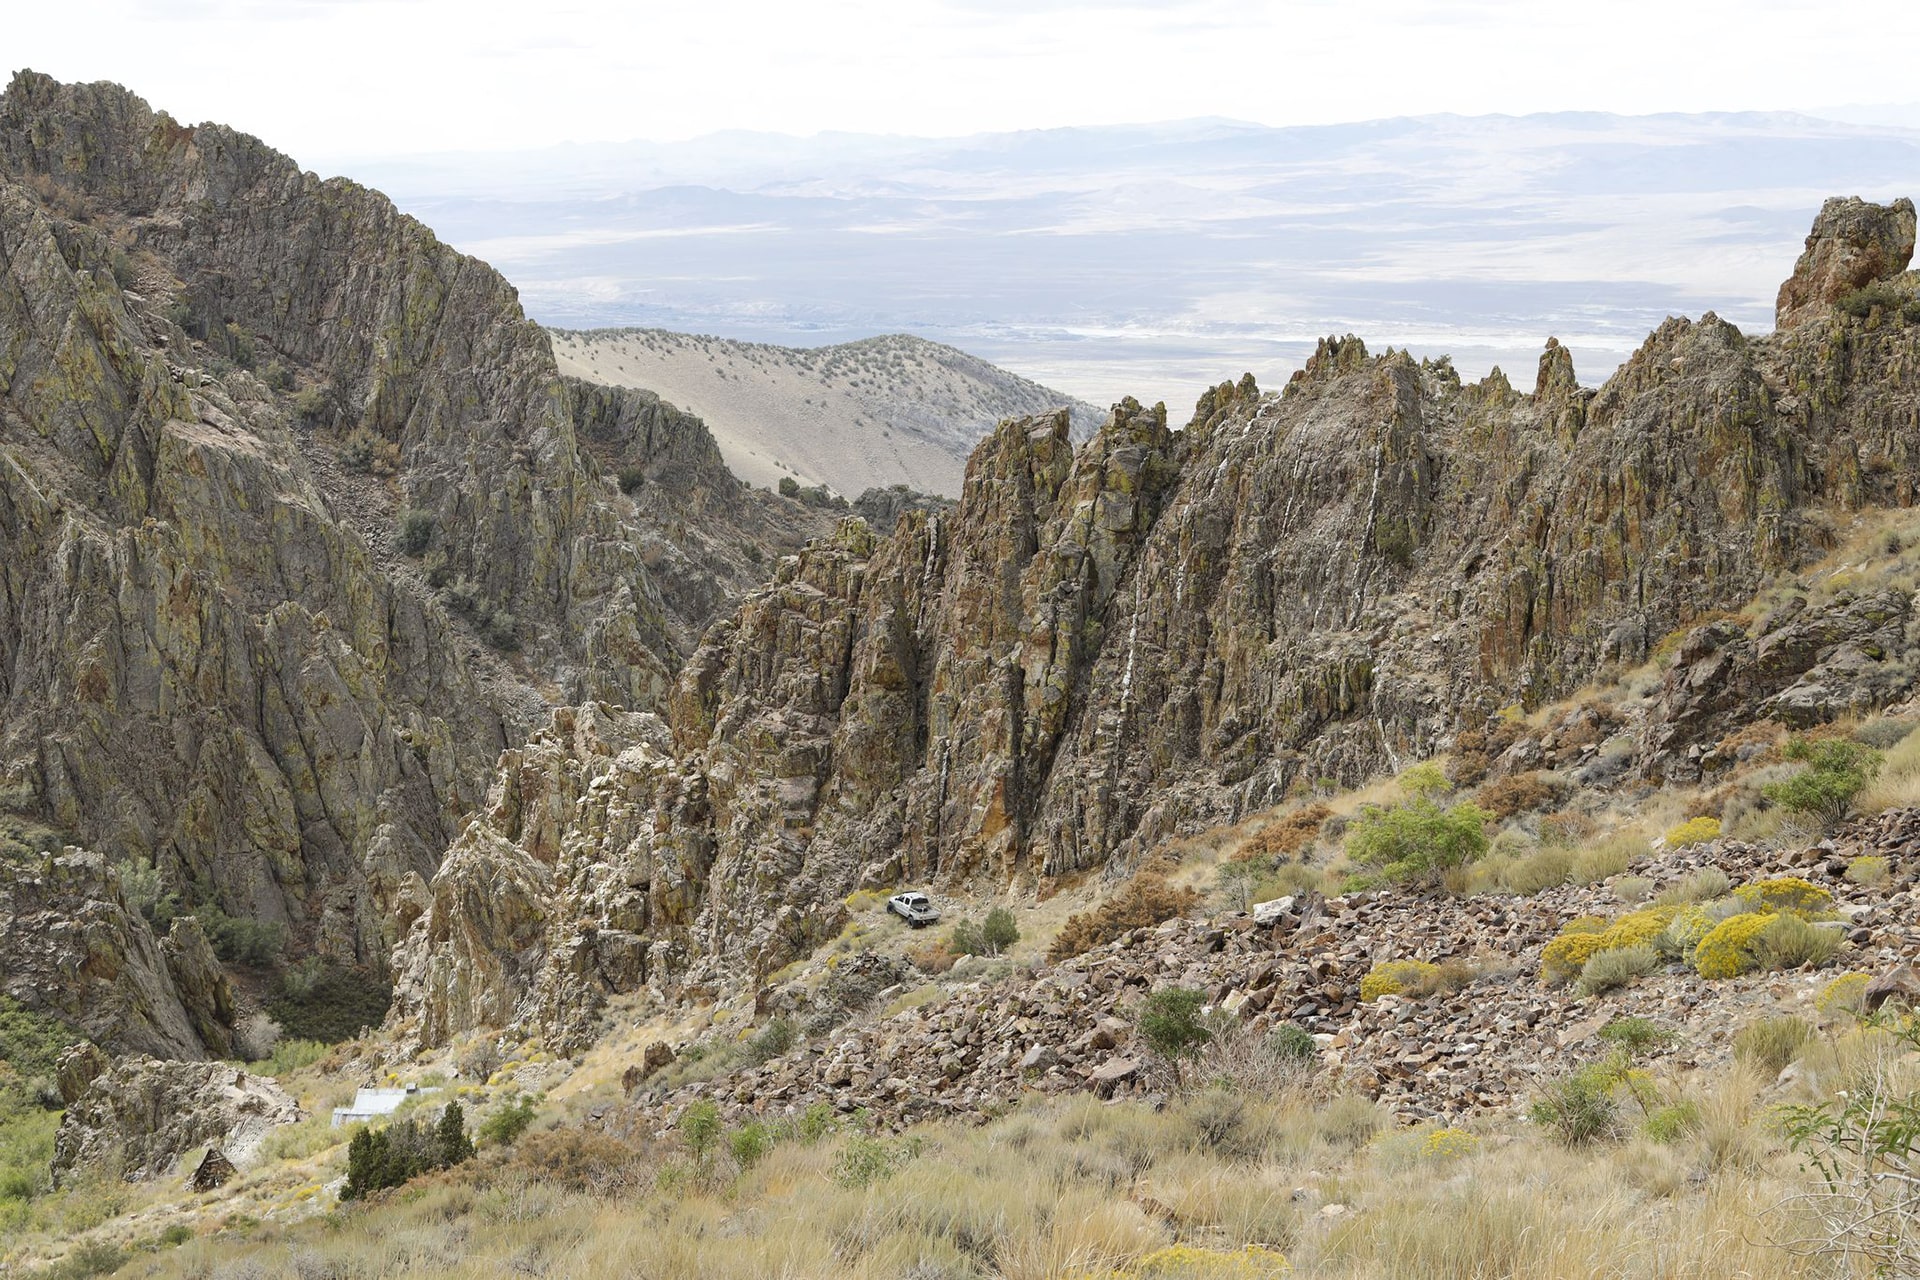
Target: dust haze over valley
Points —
{"points": [[1154, 260]]}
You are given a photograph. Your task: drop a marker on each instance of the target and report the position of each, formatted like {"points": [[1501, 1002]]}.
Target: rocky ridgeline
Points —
{"points": [[1067, 1027], [1161, 631], [213, 655]]}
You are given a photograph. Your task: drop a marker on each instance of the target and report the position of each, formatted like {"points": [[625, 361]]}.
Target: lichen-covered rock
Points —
{"points": [[136, 1120], [1853, 243], [214, 657], [72, 947]]}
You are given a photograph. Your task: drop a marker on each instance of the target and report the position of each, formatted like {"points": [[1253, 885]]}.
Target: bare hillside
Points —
{"points": [[882, 411]]}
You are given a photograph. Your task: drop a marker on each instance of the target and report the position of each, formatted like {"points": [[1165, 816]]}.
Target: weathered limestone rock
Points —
{"points": [[1853, 243], [136, 1120]]}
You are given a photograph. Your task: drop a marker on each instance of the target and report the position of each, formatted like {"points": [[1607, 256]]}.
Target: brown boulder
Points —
{"points": [[1853, 243]]}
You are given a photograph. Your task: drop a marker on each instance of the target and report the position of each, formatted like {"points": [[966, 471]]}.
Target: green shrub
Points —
{"points": [[999, 930], [415, 531], [1170, 1023], [1771, 1043], [865, 1161], [31, 1042], [1544, 870], [816, 1122], [770, 1041], [1613, 969], [631, 478], [1790, 942], [1291, 1042], [1579, 1108], [239, 940], [1670, 1123], [749, 1143], [1702, 886], [1868, 871], [508, 1122], [1837, 770], [700, 1127], [1417, 840], [1635, 1034], [290, 1054], [789, 487], [330, 1007], [1886, 297]]}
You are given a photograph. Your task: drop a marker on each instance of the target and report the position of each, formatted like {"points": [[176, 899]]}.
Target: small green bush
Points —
{"points": [[789, 487], [1171, 1025], [1291, 1042], [1790, 942], [1670, 1123], [700, 1127], [770, 1041], [508, 1123], [1579, 1108], [1544, 870], [1418, 839], [631, 478], [1635, 1034], [1868, 871], [999, 930], [415, 531], [238, 940], [749, 1143], [1771, 1043], [289, 1055], [1837, 770], [865, 1161], [1613, 969]]}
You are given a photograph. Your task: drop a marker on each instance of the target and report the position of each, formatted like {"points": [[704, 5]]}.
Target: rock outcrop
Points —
{"points": [[218, 657], [71, 946], [1854, 243], [136, 1120], [1163, 630]]}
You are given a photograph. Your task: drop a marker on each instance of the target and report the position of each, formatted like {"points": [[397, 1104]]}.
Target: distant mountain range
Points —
{"points": [[883, 411], [1155, 259]]}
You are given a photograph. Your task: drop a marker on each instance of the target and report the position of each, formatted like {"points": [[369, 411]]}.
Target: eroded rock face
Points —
{"points": [[72, 947], [214, 657], [1853, 244], [137, 1119], [1096, 649]]}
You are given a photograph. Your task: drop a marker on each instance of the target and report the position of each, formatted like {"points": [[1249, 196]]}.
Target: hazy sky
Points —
{"points": [[329, 79]]}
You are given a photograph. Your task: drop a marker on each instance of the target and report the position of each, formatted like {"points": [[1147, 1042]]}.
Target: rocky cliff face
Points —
{"points": [[1098, 648], [216, 655]]}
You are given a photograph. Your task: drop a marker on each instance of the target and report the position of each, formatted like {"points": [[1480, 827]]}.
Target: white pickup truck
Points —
{"points": [[915, 908]]}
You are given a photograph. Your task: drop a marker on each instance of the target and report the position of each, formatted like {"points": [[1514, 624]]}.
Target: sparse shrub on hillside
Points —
{"points": [[1845, 996], [585, 1160], [1615, 968], [1579, 1108], [1171, 1025], [1143, 901], [1702, 886], [1580, 940], [631, 478], [1286, 836], [1394, 977], [414, 531], [864, 1161], [1790, 942], [1544, 870], [1868, 871], [1885, 733], [1635, 1034], [1418, 840], [1693, 831], [789, 487], [506, 1124], [238, 940], [1771, 1043], [368, 453], [699, 1127], [1475, 750], [1730, 948], [1518, 793], [749, 1144], [276, 377], [1884, 296], [771, 1041], [1785, 893], [1836, 771]]}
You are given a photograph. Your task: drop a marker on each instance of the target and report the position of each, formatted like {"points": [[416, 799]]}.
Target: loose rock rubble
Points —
{"points": [[1069, 1026]]}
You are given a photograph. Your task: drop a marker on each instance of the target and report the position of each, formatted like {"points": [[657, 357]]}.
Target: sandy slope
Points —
{"points": [[882, 411]]}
